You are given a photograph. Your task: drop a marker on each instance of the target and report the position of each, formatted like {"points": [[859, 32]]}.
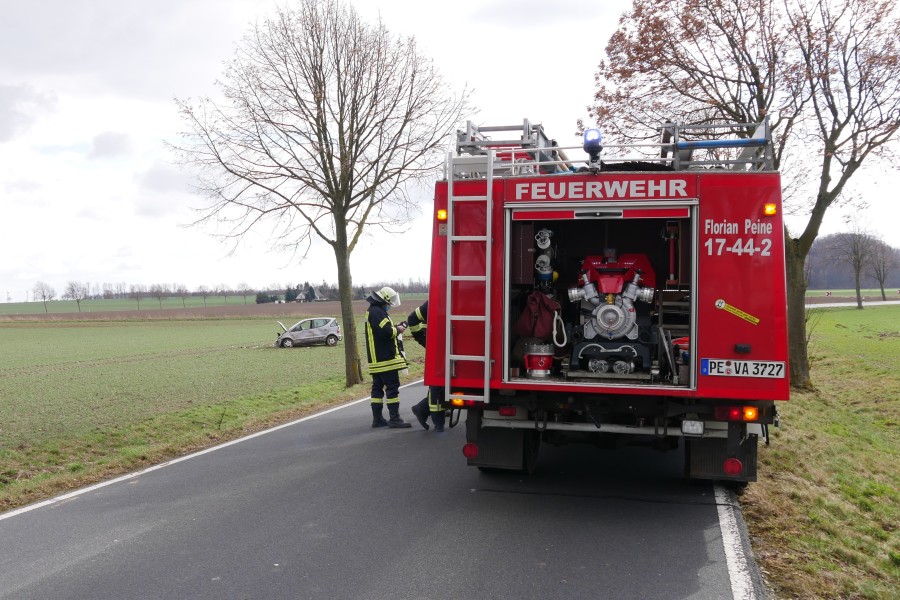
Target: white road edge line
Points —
{"points": [[122, 478], [738, 570]]}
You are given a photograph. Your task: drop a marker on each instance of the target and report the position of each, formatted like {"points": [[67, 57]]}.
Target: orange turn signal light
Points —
{"points": [[770, 209], [736, 413], [442, 214]]}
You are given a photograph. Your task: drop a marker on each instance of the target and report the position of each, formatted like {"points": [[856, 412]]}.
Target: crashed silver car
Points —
{"points": [[317, 330]]}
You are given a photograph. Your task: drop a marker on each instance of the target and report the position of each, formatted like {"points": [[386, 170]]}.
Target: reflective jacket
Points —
{"points": [[382, 345], [418, 323]]}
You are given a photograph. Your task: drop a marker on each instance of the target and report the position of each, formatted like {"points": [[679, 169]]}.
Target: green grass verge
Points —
{"points": [[83, 401], [825, 514], [851, 293]]}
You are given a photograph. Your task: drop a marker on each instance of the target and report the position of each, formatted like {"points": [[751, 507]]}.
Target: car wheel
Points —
{"points": [[331, 340], [287, 343]]}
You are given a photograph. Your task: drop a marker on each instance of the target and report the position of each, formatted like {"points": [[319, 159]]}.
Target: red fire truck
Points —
{"points": [[633, 297]]}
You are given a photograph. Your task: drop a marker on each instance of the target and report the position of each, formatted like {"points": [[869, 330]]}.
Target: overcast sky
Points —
{"points": [[88, 191]]}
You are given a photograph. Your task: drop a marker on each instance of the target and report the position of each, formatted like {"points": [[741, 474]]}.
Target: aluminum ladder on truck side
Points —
{"points": [[482, 163]]}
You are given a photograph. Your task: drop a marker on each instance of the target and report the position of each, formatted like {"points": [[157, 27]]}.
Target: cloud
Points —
{"points": [[21, 186], [162, 190], [164, 178], [110, 145], [138, 48], [20, 106], [538, 14]]}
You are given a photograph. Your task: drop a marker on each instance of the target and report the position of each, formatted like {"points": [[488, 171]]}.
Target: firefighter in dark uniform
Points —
{"points": [[430, 405], [385, 354]]}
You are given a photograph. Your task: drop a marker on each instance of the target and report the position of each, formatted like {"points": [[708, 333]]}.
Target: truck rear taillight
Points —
{"points": [[463, 403], [736, 413], [732, 467], [507, 411], [470, 451]]}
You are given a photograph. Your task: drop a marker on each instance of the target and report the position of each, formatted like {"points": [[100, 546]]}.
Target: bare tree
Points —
{"points": [[77, 291], [325, 121], [244, 290], [204, 292], [182, 292], [137, 292], [884, 261], [43, 292], [222, 290], [854, 248], [824, 71], [160, 291]]}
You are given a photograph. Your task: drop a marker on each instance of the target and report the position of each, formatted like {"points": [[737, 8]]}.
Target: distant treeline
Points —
{"points": [[326, 291], [829, 264], [274, 292]]}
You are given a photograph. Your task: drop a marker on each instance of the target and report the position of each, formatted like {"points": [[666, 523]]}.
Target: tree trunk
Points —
{"points": [[858, 290], [796, 298], [352, 363]]}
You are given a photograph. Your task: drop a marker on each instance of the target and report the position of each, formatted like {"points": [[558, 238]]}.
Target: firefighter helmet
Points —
{"points": [[387, 295]]}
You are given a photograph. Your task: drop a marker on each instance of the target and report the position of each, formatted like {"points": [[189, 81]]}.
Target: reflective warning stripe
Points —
{"points": [[394, 364]]}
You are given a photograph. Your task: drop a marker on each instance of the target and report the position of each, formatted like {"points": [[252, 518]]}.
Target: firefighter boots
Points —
{"points": [[377, 419], [395, 421], [437, 417], [421, 412]]}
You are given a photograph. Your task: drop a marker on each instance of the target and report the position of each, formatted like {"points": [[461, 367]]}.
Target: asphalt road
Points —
{"points": [[329, 508]]}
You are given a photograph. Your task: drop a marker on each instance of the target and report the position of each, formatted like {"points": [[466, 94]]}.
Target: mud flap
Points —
{"points": [[704, 459], [502, 449]]}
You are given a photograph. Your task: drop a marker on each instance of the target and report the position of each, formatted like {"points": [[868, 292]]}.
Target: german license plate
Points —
{"points": [[742, 368]]}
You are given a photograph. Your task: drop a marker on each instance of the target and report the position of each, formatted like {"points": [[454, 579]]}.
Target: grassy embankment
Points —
{"points": [[82, 401], [824, 516]]}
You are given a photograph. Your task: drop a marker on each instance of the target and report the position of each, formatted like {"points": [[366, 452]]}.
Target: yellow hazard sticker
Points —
{"points": [[721, 304]]}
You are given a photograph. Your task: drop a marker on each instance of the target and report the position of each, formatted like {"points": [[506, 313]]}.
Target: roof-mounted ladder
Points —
{"points": [[756, 150], [526, 143]]}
